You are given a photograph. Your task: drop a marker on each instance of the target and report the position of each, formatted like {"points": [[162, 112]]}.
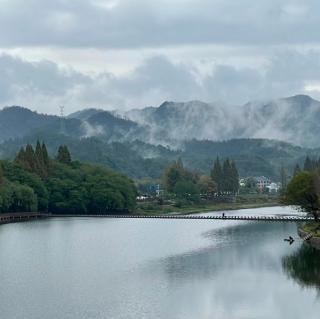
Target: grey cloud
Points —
{"points": [[44, 86], [232, 85], [145, 23]]}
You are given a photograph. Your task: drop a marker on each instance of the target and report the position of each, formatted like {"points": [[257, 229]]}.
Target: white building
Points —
{"points": [[274, 187], [262, 182]]}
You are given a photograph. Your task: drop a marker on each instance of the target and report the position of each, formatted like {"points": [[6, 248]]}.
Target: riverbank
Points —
{"points": [[147, 209], [156, 209], [311, 228]]}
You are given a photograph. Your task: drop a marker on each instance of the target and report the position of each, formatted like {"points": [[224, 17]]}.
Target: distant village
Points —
{"points": [[260, 183], [255, 184]]}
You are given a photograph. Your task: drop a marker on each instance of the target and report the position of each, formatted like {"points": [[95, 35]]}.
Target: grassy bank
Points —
{"points": [[313, 228], [242, 202]]}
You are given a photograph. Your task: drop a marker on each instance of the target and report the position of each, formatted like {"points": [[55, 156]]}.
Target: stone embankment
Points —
{"points": [[313, 241]]}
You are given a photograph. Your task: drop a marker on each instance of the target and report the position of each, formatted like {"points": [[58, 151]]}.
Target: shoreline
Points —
{"points": [[187, 212], [209, 208], [182, 211], [313, 241]]}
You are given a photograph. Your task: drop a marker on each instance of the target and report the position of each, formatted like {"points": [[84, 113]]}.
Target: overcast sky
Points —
{"points": [[121, 54]]}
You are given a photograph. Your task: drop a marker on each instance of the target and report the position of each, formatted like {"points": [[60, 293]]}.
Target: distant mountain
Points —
{"points": [[112, 127], [172, 122], [259, 136], [18, 122], [294, 120], [84, 114]]}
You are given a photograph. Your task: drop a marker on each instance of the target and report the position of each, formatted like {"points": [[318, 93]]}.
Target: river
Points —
{"points": [[81, 268]]}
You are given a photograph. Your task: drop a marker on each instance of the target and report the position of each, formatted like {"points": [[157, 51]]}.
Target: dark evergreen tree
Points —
{"points": [[30, 156], [45, 155], [26, 158], [38, 152], [64, 155], [39, 161], [226, 181], [216, 174], [235, 178], [21, 156]]}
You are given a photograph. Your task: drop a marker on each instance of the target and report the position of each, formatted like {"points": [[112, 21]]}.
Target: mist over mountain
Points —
{"points": [[16, 122], [293, 120], [259, 136]]}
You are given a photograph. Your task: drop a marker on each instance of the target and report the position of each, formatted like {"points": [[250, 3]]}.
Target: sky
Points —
{"points": [[123, 54]]}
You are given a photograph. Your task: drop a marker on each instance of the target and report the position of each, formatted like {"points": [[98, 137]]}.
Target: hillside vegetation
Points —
{"points": [[141, 143], [36, 182]]}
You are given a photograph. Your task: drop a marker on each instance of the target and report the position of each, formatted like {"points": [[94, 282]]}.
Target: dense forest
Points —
{"points": [[140, 160], [35, 182]]}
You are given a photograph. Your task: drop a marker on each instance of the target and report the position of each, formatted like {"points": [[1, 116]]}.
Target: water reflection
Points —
{"points": [[128, 269], [254, 246], [303, 266]]}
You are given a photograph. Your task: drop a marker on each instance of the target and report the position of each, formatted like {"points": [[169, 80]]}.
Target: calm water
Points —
{"points": [[100, 268]]}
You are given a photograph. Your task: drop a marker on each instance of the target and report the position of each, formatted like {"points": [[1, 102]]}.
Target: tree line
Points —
{"points": [[185, 184], [36, 182], [226, 176]]}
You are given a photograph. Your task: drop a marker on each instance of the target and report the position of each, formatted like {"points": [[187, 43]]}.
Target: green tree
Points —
{"points": [[187, 190], [301, 191], [69, 188], [15, 173], [45, 156], [23, 198], [63, 155], [30, 158], [217, 174], [21, 156], [234, 178], [38, 153], [227, 178], [173, 174], [15, 197], [207, 186]]}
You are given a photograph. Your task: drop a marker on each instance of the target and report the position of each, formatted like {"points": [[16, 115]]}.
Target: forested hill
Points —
{"points": [[253, 157], [293, 120], [36, 182], [141, 143], [18, 122]]}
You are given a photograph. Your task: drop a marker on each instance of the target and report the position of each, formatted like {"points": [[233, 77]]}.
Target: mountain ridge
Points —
{"points": [[292, 119], [259, 136]]}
